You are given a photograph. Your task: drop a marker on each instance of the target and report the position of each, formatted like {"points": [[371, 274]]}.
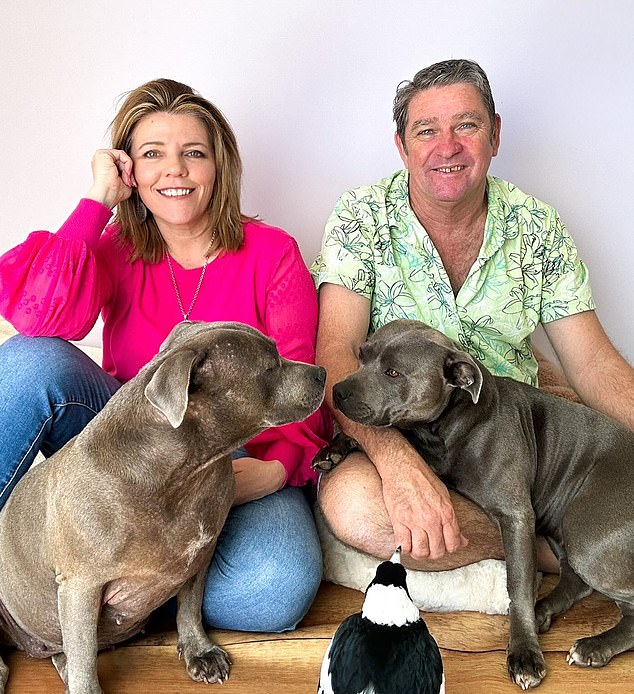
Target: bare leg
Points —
{"points": [[351, 500]]}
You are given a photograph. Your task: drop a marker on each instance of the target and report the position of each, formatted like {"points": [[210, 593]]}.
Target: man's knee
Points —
{"points": [[483, 534], [351, 502]]}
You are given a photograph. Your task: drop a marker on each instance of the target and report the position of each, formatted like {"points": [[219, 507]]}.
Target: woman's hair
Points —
{"points": [[441, 74], [168, 96]]}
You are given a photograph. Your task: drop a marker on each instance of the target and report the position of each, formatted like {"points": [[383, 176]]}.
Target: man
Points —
{"points": [[471, 255]]}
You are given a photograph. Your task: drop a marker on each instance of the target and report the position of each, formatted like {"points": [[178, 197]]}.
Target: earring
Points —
{"points": [[141, 210]]}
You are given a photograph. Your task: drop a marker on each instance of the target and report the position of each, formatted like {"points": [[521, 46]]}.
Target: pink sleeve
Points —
{"points": [[291, 320], [50, 283]]}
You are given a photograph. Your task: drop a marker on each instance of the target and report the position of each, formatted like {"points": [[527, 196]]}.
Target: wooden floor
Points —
{"points": [[473, 648]]}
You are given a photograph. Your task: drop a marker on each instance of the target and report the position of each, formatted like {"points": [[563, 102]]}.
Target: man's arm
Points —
{"points": [[417, 502], [592, 365]]}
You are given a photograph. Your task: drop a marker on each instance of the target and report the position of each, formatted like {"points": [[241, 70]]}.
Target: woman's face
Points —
{"points": [[175, 170]]}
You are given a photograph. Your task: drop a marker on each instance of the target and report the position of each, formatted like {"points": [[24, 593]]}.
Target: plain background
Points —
{"points": [[308, 88]]}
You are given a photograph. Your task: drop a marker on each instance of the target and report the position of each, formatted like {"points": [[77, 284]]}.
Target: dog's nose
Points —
{"points": [[340, 393]]}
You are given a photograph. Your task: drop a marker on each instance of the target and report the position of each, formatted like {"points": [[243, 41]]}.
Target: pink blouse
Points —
{"points": [[56, 285]]}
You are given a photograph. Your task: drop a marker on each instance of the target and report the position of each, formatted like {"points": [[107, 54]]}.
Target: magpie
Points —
{"points": [[386, 648]]}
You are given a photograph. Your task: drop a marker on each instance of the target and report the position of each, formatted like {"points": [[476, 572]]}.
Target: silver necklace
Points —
{"points": [[187, 313]]}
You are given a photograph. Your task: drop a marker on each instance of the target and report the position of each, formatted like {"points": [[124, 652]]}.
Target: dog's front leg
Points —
{"points": [[78, 608], [525, 660], [204, 660]]}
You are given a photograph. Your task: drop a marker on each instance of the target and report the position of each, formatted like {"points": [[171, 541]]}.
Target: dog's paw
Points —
{"points": [[543, 616], [325, 461], [330, 456], [590, 652], [59, 661], [526, 667], [4, 674], [211, 666]]}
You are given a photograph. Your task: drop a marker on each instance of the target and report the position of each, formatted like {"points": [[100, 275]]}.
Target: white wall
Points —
{"points": [[308, 87]]}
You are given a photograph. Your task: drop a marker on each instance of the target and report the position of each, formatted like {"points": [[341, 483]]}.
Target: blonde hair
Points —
{"points": [[168, 96]]}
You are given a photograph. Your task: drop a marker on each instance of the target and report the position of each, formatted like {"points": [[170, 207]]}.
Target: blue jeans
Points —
{"points": [[267, 566]]}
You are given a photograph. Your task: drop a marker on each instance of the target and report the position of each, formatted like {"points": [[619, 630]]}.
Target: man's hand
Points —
{"points": [[420, 508]]}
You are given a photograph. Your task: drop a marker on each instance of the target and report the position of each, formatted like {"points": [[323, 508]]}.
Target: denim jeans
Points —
{"points": [[267, 566]]}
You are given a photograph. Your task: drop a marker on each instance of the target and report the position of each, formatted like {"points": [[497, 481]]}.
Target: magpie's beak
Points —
{"points": [[396, 557]]}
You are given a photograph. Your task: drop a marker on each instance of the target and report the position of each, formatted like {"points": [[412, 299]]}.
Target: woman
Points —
{"points": [[179, 249]]}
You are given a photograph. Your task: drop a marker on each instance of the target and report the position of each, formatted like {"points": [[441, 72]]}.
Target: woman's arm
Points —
{"points": [[52, 284], [291, 320], [256, 478]]}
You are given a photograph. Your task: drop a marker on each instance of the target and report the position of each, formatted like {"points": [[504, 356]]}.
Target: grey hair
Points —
{"points": [[441, 74]]}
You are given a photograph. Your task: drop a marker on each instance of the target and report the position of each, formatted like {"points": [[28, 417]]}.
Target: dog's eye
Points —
{"points": [[392, 373]]}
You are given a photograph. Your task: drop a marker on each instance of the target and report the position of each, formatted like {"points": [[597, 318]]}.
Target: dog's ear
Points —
{"points": [[461, 371], [168, 389]]}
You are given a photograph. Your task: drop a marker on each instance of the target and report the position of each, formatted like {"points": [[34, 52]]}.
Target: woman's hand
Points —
{"points": [[112, 175], [256, 478]]}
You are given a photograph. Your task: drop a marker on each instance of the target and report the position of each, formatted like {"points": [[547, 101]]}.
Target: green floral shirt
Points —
{"points": [[528, 271]]}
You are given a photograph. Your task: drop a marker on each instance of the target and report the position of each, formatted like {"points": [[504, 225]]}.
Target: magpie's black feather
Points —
{"points": [[394, 659], [385, 649], [348, 672]]}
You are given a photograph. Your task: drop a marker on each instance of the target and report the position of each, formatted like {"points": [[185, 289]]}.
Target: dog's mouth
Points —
{"points": [[360, 412], [299, 406]]}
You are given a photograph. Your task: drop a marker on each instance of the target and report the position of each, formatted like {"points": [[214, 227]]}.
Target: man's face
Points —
{"points": [[449, 143]]}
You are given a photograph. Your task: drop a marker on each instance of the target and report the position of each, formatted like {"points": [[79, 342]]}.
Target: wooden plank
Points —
{"points": [[459, 631], [474, 632], [292, 667], [485, 673], [473, 646]]}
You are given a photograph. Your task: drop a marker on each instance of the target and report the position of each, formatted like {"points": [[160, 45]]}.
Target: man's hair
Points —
{"points": [[441, 74], [168, 96]]}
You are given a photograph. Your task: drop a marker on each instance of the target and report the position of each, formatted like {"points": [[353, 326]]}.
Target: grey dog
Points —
{"points": [[127, 514], [533, 461]]}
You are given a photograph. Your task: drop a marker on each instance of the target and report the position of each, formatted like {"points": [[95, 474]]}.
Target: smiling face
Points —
{"points": [[449, 143], [175, 170]]}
